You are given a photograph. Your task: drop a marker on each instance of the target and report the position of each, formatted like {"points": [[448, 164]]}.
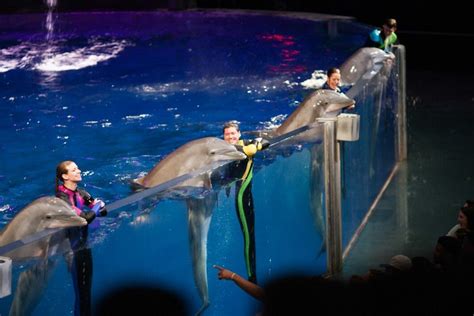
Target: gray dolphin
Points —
{"points": [[193, 156], [362, 66], [43, 213], [318, 104], [369, 69]]}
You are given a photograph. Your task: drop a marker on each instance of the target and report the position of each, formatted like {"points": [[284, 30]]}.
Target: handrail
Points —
{"points": [[144, 194]]}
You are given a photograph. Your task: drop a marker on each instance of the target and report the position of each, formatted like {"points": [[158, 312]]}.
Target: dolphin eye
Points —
{"points": [[48, 217], [212, 152]]}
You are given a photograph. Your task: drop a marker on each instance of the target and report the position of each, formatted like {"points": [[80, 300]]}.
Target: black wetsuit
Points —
{"points": [[82, 255]]}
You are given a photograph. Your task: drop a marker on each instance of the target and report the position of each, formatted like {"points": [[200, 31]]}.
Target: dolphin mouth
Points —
{"points": [[240, 156], [232, 155], [72, 221], [337, 107]]}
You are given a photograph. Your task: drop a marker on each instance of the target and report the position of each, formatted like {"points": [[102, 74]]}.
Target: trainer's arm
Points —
{"points": [[251, 288]]}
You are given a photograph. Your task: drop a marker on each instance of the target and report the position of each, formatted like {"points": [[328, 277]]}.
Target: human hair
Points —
{"points": [[61, 169], [331, 71], [468, 211], [230, 124], [391, 23]]}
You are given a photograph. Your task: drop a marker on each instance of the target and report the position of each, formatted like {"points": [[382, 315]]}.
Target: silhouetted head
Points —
{"points": [[141, 299]]}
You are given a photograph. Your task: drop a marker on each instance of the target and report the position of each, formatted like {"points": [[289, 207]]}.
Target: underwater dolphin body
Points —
{"points": [[192, 156], [43, 213]]}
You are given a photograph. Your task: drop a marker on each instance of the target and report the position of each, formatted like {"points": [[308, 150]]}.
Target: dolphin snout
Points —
{"points": [[82, 222], [240, 156], [231, 154], [347, 102], [68, 221]]}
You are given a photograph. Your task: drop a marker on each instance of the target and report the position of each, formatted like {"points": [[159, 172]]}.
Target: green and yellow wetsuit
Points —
{"points": [[244, 202]]}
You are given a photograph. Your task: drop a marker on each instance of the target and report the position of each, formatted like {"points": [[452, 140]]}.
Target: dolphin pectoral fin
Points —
{"points": [[199, 219]]}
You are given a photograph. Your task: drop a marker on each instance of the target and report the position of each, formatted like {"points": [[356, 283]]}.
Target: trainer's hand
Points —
{"points": [[261, 143], [265, 144], [89, 216], [99, 208], [223, 273]]}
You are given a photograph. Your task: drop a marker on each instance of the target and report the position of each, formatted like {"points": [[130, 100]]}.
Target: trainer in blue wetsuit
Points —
{"points": [[243, 170], [69, 175]]}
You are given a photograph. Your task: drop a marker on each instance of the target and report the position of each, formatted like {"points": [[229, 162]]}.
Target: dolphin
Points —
{"points": [[320, 103], [190, 157], [317, 104], [369, 69], [363, 65], [43, 213]]}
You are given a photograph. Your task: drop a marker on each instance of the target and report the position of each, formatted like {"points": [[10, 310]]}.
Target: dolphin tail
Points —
{"points": [[317, 193], [30, 287], [199, 219]]}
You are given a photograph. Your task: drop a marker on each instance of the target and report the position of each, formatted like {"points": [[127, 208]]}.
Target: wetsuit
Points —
{"points": [[327, 87], [243, 170], [82, 255], [377, 39]]}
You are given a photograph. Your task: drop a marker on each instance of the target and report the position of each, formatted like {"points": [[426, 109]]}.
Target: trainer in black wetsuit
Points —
{"points": [[243, 170], [69, 175]]}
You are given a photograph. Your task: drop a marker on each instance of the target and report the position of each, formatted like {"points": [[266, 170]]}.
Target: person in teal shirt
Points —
{"points": [[385, 37]]}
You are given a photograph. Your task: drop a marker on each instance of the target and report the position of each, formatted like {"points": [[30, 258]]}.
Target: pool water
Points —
{"points": [[116, 92]]}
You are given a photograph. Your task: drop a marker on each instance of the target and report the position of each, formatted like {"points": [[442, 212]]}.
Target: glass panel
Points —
{"points": [[368, 162], [139, 86]]}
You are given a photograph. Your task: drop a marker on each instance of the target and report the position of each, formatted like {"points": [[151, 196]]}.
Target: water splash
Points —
{"points": [[49, 24]]}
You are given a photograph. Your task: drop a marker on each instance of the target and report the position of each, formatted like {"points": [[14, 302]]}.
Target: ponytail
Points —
{"points": [[61, 169]]}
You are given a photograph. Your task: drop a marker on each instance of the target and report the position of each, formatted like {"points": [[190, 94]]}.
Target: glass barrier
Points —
{"points": [[368, 163], [149, 242]]}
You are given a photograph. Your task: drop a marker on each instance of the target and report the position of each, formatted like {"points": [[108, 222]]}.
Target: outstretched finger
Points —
{"points": [[218, 267]]}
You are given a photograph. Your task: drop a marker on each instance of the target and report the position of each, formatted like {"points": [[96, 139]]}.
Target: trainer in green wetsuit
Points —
{"points": [[243, 170], [385, 37]]}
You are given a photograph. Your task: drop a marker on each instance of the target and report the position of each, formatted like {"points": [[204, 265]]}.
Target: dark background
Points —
{"points": [[436, 36]]}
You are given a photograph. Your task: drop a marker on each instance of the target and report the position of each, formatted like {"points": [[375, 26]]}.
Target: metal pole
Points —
{"points": [[332, 185], [401, 113]]}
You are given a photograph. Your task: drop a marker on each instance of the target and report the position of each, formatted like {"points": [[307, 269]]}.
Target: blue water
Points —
{"points": [[116, 92]]}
